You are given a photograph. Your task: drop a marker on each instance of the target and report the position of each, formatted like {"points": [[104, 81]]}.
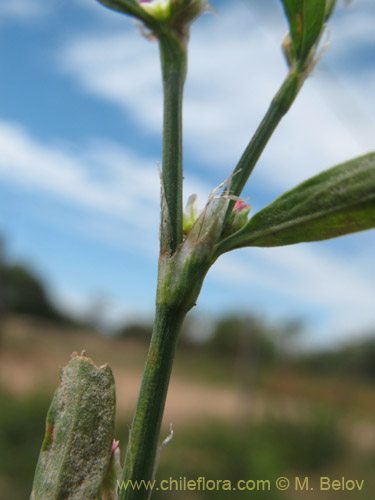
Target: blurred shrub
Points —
{"points": [[304, 444], [267, 450], [22, 425]]}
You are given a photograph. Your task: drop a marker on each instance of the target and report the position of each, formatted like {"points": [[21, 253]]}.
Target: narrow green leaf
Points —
{"points": [[338, 201], [77, 446], [306, 19]]}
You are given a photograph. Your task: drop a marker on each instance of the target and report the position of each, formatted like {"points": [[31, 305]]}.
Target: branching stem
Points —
{"points": [[277, 109]]}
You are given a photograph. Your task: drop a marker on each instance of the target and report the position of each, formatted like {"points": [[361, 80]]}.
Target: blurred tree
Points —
{"points": [[353, 361], [287, 337], [245, 337], [246, 341], [23, 293]]}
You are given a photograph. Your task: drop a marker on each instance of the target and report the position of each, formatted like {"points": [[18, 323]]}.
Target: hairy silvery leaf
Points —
{"points": [[338, 201], [77, 446]]}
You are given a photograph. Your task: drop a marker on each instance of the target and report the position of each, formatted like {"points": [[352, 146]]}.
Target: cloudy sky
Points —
{"points": [[80, 135]]}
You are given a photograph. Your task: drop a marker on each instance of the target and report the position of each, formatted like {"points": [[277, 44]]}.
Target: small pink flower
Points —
{"points": [[240, 205]]}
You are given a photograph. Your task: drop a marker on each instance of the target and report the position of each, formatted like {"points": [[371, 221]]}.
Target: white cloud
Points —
{"points": [[235, 68], [58, 172], [311, 276], [22, 9], [122, 68], [103, 178]]}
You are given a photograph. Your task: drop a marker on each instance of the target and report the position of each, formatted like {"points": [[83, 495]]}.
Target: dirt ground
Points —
{"points": [[31, 353]]}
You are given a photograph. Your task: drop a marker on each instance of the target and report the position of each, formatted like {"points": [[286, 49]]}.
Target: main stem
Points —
{"points": [[173, 64], [144, 434], [143, 440]]}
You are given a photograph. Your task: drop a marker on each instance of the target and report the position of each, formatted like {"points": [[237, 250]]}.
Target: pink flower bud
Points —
{"points": [[114, 446]]}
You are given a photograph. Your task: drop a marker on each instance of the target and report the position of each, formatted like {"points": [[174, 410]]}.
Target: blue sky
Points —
{"points": [[80, 125]]}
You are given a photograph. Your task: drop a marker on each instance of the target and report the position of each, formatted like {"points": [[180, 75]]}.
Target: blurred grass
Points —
{"points": [[281, 422]]}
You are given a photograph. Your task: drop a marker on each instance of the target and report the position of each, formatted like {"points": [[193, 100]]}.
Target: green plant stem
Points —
{"points": [[173, 63], [143, 440], [278, 108], [142, 447]]}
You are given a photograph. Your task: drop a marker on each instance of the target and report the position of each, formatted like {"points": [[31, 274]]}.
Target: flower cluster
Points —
{"points": [[159, 9], [175, 14]]}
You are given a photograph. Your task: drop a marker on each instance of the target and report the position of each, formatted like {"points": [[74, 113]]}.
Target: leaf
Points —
{"points": [[331, 4], [306, 19], [338, 201], [77, 446]]}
